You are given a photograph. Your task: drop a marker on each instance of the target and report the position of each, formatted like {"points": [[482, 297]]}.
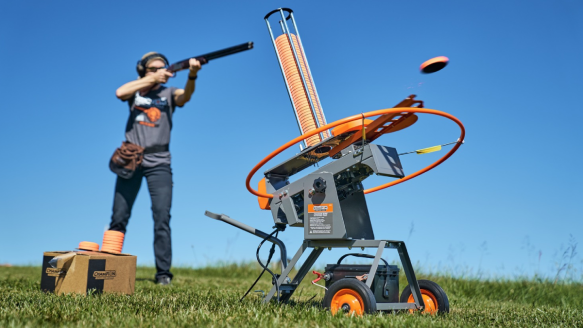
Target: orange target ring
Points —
{"points": [[360, 117]]}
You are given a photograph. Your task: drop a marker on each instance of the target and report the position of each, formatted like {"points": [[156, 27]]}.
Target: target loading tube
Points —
{"points": [[203, 59], [251, 230], [297, 75]]}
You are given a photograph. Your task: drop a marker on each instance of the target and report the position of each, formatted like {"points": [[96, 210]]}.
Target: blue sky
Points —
{"points": [[507, 203]]}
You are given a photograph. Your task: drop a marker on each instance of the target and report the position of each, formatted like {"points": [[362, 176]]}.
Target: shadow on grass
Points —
{"points": [[316, 303], [146, 279]]}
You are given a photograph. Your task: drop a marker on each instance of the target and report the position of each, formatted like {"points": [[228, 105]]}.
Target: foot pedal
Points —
{"points": [[287, 288]]}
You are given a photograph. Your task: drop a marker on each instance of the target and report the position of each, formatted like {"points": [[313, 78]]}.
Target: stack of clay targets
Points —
{"points": [[89, 246], [112, 242], [299, 94]]}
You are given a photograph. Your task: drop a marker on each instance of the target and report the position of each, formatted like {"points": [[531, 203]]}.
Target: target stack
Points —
{"points": [[112, 242]]}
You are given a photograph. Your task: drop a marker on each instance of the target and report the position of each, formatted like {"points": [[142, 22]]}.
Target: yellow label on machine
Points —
{"points": [[428, 150]]}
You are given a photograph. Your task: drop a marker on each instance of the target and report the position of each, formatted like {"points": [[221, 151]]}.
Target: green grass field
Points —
{"points": [[209, 297]]}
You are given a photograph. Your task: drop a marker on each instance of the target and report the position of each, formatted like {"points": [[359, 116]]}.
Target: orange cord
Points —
{"points": [[359, 117]]}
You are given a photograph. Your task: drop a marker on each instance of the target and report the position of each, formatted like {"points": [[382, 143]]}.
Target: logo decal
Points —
{"points": [[150, 109], [103, 275], [51, 272], [142, 101], [160, 102]]}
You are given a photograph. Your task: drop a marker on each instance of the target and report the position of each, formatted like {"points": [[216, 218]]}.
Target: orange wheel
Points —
{"points": [[429, 299], [434, 297], [347, 301], [350, 296]]}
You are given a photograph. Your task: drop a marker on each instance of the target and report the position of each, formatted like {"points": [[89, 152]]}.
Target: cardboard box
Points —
{"points": [[83, 271]]}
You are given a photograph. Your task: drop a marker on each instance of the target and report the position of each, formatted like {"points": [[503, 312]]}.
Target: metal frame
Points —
{"points": [[310, 72], [286, 84], [318, 247]]}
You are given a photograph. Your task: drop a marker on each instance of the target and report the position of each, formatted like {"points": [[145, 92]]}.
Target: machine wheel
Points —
{"points": [[434, 297], [350, 296]]}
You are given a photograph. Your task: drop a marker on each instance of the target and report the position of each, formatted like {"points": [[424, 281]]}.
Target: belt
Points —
{"points": [[156, 149]]}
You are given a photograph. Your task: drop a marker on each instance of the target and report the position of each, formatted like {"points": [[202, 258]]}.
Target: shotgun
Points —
{"points": [[203, 59]]}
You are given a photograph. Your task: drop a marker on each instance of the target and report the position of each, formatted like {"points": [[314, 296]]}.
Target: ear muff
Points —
{"points": [[141, 65]]}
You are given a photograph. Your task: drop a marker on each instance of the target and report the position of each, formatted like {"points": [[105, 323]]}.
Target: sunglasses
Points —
{"points": [[155, 69]]}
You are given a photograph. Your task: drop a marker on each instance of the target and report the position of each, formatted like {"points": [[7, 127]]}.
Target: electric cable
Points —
{"points": [[368, 256], [273, 276], [271, 252]]}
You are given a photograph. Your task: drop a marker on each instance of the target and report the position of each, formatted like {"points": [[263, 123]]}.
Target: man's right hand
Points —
{"points": [[161, 76], [128, 90]]}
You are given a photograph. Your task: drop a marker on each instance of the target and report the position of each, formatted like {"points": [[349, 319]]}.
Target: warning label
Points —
{"points": [[320, 219]]}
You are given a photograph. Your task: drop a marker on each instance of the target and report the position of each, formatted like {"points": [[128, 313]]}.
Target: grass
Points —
{"points": [[209, 297]]}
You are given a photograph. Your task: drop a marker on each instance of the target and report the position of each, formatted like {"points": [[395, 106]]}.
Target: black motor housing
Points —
{"points": [[385, 284]]}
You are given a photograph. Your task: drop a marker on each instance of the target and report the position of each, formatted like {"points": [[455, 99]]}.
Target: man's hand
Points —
{"points": [[194, 66], [182, 96], [161, 76], [128, 90]]}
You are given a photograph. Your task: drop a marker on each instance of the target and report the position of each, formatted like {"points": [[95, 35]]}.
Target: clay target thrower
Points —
{"points": [[298, 77], [329, 203]]}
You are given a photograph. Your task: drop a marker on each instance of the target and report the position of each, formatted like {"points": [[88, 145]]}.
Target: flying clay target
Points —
{"points": [[434, 64]]}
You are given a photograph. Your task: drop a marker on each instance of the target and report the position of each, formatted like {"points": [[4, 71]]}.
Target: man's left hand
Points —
{"points": [[194, 66]]}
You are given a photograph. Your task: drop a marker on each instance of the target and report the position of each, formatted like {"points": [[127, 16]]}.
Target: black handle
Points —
{"points": [[360, 255], [289, 11]]}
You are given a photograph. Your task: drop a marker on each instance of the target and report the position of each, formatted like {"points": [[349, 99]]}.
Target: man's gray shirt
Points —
{"points": [[150, 122]]}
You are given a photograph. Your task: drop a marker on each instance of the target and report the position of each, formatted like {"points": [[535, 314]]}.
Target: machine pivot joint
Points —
{"points": [[320, 185]]}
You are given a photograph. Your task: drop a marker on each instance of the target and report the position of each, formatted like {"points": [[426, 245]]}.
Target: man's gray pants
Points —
{"points": [[159, 180]]}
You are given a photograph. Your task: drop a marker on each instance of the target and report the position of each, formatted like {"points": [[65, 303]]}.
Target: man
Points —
{"points": [[151, 109]]}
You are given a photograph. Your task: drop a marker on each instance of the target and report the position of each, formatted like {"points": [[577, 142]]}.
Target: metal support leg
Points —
{"points": [[410, 274], [302, 272], [304, 269], [375, 263], [286, 272]]}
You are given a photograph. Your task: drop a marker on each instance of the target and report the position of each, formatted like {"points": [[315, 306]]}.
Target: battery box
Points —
{"points": [[385, 284]]}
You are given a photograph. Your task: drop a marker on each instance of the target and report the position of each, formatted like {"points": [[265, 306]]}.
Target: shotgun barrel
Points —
{"points": [[203, 59]]}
